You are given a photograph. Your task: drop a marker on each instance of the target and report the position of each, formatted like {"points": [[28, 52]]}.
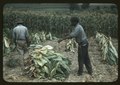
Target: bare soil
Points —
{"points": [[102, 72]]}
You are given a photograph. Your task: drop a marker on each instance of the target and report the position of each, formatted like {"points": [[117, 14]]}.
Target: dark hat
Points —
{"points": [[19, 21], [74, 19]]}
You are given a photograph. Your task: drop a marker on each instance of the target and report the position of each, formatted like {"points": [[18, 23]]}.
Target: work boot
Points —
{"points": [[90, 73]]}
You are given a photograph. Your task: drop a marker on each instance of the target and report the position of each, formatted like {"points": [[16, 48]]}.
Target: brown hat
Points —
{"points": [[19, 21]]}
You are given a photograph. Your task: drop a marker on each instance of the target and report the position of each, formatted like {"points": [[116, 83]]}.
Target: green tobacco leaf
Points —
{"points": [[52, 57], [50, 53], [58, 59], [59, 69], [41, 62], [60, 55], [67, 61], [6, 42], [46, 69], [109, 59], [65, 66], [112, 49], [35, 56], [53, 72]]}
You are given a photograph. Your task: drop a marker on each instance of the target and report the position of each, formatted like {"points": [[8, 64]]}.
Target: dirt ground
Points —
{"points": [[102, 72]]}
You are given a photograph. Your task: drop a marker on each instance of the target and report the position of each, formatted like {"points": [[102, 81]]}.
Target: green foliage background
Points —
{"points": [[58, 23]]}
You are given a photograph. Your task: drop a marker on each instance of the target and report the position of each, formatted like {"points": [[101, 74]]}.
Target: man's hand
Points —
{"points": [[59, 40]]}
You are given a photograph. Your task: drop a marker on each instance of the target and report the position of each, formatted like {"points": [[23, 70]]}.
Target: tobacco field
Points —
{"points": [[50, 61]]}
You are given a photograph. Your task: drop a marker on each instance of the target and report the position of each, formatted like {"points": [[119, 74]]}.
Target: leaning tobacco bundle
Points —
{"points": [[43, 62], [42, 36], [6, 45], [109, 52], [70, 45]]}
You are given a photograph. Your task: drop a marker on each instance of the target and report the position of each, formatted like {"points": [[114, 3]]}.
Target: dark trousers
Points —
{"points": [[83, 58]]}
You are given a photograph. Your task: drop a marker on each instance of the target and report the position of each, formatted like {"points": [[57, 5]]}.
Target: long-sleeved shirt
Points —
{"points": [[20, 32], [79, 34]]}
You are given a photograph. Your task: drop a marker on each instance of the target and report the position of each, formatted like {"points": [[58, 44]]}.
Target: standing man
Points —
{"points": [[79, 34], [21, 39]]}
